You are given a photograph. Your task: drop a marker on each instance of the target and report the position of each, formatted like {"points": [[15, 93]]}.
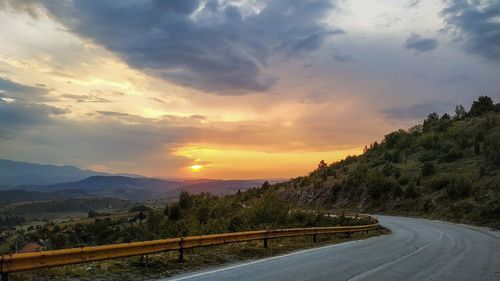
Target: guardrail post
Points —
{"points": [[5, 277], [315, 238], [144, 260], [265, 242], [181, 250], [181, 255]]}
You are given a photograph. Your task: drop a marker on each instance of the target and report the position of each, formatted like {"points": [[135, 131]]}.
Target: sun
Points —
{"points": [[196, 168]]}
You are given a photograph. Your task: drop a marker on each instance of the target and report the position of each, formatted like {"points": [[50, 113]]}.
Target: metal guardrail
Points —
{"points": [[29, 261]]}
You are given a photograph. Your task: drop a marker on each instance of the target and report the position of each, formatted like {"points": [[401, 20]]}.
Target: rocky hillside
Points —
{"points": [[446, 168]]}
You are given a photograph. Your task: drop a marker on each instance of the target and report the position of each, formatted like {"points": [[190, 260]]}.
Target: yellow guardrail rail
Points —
{"points": [[29, 261]]}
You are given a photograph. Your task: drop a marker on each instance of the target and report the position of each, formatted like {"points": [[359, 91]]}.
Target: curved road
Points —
{"points": [[417, 249]]}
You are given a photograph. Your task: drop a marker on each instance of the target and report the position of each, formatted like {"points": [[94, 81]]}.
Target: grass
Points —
{"points": [[166, 264]]}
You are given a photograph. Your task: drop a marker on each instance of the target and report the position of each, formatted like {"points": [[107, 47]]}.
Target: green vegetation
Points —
{"points": [[42, 209], [446, 168], [258, 208], [192, 215]]}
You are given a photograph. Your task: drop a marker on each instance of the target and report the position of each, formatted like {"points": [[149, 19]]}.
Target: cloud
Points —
{"points": [[27, 6], [477, 25], [17, 91], [93, 98], [420, 44], [414, 3], [25, 114], [343, 57], [217, 46]]}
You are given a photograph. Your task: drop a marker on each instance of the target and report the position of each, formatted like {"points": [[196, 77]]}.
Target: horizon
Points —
{"points": [[207, 90]]}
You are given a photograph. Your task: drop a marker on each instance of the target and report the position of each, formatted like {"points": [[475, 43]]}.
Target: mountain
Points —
{"points": [[112, 183], [446, 168], [133, 189], [15, 173]]}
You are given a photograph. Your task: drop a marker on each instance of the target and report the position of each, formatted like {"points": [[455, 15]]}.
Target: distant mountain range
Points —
{"points": [[15, 173], [26, 182]]}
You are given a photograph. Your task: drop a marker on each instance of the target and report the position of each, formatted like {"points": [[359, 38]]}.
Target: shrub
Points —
{"points": [[428, 169], [175, 212], [458, 187], [439, 182], [270, 210], [452, 155], [377, 184], [404, 181], [140, 208], [410, 191]]}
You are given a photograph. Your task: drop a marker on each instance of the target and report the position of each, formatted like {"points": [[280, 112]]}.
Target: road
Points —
{"points": [[417, 249]]}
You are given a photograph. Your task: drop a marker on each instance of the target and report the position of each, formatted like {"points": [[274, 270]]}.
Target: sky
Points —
{"points": [[232, 89]]}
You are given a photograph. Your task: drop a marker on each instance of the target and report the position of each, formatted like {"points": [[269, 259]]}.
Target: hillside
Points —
{"points": [[44, 209], [446, 168]]}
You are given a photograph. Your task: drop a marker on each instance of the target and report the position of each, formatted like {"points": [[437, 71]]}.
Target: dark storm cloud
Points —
{"points": [[15, 114], [477, 24], [420, 44], [219, 47], [8, 85], [416, 111]]}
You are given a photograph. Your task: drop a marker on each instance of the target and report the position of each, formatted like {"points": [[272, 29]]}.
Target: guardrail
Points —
{"points": [[29, 261]]}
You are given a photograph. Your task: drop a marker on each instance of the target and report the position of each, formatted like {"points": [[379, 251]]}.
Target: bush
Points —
{"points": [[458, 187], [439, 182], [404, 181], [452, 155], [377, 184], [270, 211], [410, 191], [175, 212], [140, 208], [428, 169]]}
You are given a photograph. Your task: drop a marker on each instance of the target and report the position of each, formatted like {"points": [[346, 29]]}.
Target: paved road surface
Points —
{"points": [[416, 249]]}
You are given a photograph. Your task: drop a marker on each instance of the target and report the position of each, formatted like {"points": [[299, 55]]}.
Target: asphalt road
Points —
{"points": [[417, 249]]}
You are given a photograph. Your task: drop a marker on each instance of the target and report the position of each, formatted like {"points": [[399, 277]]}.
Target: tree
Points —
{"points": [[460, 111], [141, 216], [184, 200], [322, 164], [482, 105], [154, 220], [432, 119], [175, 212], [166, 211], [265, 185]]}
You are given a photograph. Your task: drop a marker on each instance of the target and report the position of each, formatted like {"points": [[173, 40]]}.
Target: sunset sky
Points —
{"points": [[232, 89]]}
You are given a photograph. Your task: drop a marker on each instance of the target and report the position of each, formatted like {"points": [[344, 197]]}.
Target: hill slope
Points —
{"points": [[447, 168]]}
